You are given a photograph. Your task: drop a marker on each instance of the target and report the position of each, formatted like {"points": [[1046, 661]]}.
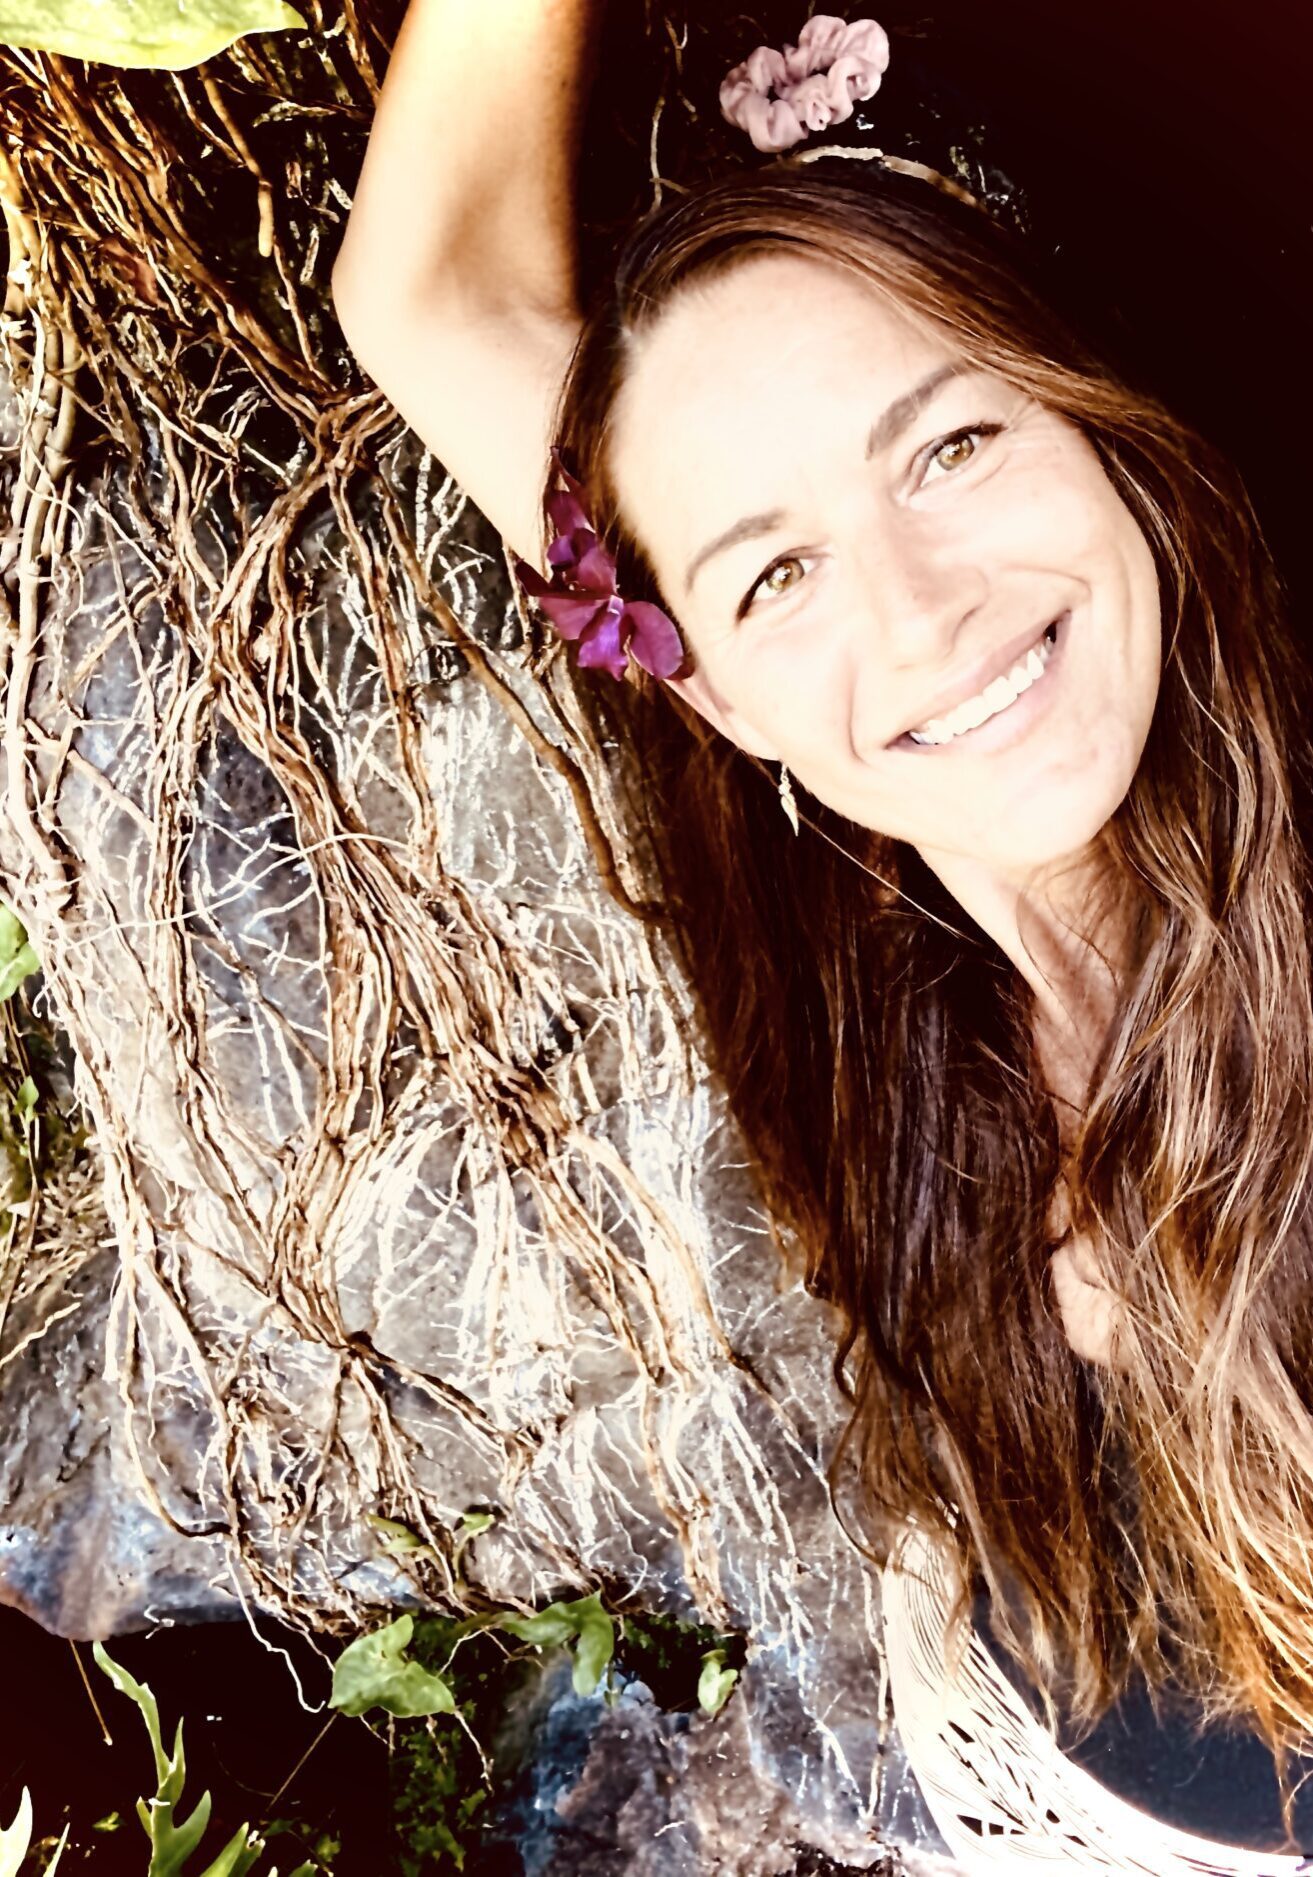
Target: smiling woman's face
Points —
{"points": [[861, 537]]}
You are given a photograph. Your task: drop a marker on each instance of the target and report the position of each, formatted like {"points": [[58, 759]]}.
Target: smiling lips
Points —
{"points": [[995, 697]]}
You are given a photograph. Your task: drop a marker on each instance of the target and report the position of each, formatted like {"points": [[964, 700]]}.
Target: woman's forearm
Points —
{"points": [[468, 182]]}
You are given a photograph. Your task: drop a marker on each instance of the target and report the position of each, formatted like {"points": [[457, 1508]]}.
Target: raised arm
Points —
{"points": [[455, 284]]}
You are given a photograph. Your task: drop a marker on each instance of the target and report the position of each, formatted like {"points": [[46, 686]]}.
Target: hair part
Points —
{"points": [[877, 1048]]}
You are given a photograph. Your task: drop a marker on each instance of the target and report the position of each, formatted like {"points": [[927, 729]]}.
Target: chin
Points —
{"points": [[1061, 828]]}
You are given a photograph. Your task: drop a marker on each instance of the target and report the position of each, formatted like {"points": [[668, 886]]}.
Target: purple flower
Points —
{"points": [[581, 601]]}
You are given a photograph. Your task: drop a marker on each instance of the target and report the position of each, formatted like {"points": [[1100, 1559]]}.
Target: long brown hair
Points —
{"points": [[877, 1047]]}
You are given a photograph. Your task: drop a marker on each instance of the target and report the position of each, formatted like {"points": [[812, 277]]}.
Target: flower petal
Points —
{"points": [[595, 570], [530, 579], [567, 512], [567, 550], [603, 643], [656, 644], [571, 614], [573, 487]]}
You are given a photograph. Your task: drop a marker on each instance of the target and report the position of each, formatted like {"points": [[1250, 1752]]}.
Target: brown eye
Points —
{"points": [[955, 452], [774, 583]]}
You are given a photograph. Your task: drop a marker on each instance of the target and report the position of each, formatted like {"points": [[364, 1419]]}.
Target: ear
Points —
{"points": [[701, 695]]}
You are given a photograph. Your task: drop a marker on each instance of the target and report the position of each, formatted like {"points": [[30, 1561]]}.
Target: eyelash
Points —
{"points": [[985, 430]]}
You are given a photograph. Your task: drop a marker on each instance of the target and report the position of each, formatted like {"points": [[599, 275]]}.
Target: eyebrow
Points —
{"points": [[885, 430], [905, 410], [747, 529]]}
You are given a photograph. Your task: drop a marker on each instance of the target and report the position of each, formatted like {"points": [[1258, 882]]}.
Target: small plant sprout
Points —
{"points": [[407, 1547], [715, 1682], [398, 1540], [171, 1843]]}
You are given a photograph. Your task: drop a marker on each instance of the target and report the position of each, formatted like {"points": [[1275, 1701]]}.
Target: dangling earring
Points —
{"points": [[787, 802]]}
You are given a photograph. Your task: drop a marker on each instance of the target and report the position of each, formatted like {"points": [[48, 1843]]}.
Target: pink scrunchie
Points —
{"points": [[815, 82]]}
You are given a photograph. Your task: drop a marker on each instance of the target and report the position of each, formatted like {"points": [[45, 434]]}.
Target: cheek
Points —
{"points": [[1061, 512], [1053, 498], [791, 684]]}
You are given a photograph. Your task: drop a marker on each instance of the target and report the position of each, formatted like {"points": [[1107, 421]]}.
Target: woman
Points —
{"points": [[1018, 1025]]}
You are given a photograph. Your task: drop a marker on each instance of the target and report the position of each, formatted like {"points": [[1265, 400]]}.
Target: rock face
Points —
{"points": [[421, 1199], [656, 1795]]}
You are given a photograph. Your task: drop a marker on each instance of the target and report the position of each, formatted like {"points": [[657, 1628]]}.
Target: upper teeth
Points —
{"points": [[996, 696]]}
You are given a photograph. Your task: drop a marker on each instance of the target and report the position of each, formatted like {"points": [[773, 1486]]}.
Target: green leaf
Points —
{"points": [[472, 1523], [547, 1630], [398, 1539], [584, 1620], [169, 1772], [17, 959], [25, 1098], [595, 1646], [21, 966], [375, 1672], [715, 1682], [164, 35], [237, 1855], [172, 1844], [13, 937]]}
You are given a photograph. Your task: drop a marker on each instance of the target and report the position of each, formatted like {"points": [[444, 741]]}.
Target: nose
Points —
{"points": [[914, 599], [919, 591]]}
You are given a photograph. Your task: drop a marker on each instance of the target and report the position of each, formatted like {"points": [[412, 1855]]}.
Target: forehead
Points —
{"points": [[747, 376]]}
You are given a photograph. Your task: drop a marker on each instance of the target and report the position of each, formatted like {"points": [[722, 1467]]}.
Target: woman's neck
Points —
{"points": [[1067, 943], [1048, 929]]}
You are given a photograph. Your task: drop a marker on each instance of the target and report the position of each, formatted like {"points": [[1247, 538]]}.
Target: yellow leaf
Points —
{"points": [[159, 34]]}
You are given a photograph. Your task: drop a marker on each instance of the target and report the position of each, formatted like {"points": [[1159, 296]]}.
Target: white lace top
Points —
{"points": [[1002, 1793]]}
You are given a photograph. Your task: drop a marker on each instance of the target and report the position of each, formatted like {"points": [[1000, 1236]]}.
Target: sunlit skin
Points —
{"points": [[880, 582]]}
